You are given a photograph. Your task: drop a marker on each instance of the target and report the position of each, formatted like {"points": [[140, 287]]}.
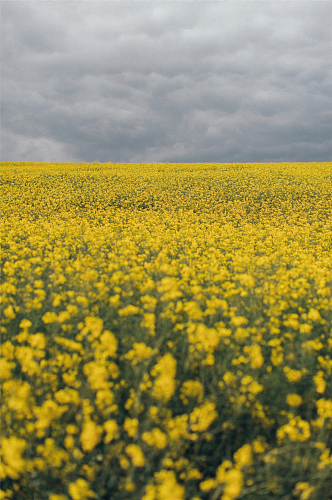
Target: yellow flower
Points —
{"points": [[167, 487], [111, 428], [177, 427], [37, 340], [45, 414], [6, 368], [202, 417], [312, 345], [129, 486], [109, 343], [9, 312], [203, 338], [149, 322], [97, 374], [169, 288], [139, 352], [277, 356], [80, 490], [72, 429], [136, 454], [255, 387], [255, 354], [191, 388], [303, 490], [18, 397], [294, 400], [324, 408], [69, 442], [228, 377], [222, 471], [243, 456], [150, 493], [234, 483], [155, 438], [50, 317], [93, 325], [292, 375], [238, 320], [320, 382], [314, 315], [297, 430], [63, 316], [89, 472], [13, 464], [259, 445], [130, 426], [91, 435], [164, 385], [128, 311], [208, 484], [25, 323]]}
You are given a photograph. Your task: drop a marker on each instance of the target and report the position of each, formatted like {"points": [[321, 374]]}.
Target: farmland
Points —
{"points": [[166, 331]]}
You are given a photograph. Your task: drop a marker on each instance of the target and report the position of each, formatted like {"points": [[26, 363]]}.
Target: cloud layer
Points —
{"points": [[166, 81]]}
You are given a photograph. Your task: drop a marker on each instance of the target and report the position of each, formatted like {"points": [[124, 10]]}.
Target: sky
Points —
{"points": [[166, 81]]}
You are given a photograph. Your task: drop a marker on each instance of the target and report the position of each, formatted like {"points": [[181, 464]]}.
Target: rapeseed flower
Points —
{"points": [[12, 464], [164, 384], [91, 435], [155, 438], [80, 490], [294, 400], [136, 454]]}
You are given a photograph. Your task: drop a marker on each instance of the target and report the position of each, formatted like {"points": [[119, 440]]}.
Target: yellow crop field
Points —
{"points": [[166, 331]]}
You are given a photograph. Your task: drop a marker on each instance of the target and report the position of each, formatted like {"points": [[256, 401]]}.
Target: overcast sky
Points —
{"points": [[157, 81]]}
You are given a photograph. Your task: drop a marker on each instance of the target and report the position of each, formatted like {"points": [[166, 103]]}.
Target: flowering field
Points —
{"points": [[166, 331]]}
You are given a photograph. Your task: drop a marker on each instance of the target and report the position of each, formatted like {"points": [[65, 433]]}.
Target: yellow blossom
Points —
{"points": [[208, 484], [13, 464], [109, 343], [155, 438], [150, 493], [130, 426], [164, 385], [25, 323], [80, 490], [91, 435], [303, 490], [9, 312], [234, 483], [314, 315], [139, 352], [136, 454], [255, 354], [324, 408], [202, 417], [111, 428], [294, 399], [191, 388], [320, 382], [243, 456], [292, 375], [168, 487], [50, 317], [128, 311]]}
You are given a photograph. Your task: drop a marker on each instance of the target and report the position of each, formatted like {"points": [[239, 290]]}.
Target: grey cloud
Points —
{"points": [[166, 81]]}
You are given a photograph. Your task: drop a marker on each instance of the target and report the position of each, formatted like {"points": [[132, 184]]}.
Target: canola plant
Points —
{"points": [[166, 331]]}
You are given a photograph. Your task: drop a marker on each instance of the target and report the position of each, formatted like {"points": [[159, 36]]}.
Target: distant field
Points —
{"points": [[166, 331]]}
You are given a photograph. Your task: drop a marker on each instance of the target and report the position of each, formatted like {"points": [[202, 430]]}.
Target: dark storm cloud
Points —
{"points": [[166, 81]]}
